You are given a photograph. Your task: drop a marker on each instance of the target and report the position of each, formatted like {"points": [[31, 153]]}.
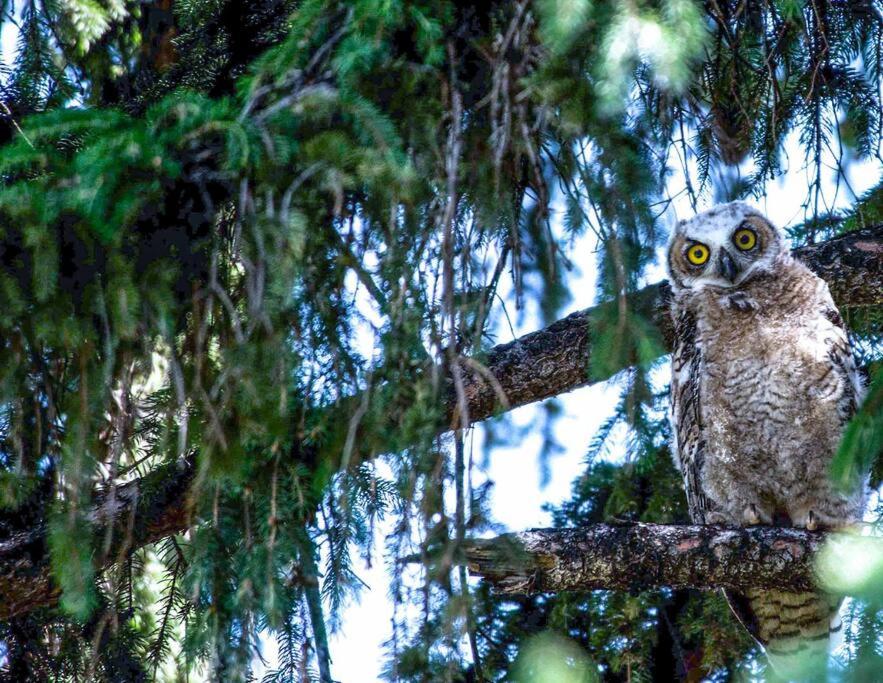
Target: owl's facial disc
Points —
{"points": [[722, 248]]}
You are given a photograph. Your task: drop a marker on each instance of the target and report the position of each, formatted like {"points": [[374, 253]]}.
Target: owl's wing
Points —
{"points": [[842, 362], [686, 362]]}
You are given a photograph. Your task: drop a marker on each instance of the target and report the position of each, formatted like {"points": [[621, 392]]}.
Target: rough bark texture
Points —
{"points": [[640, 556], [551, 361], [534, 367]]}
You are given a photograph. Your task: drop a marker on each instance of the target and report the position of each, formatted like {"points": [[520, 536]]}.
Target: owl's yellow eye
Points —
{"points": [[745, 238], [697, 254]]}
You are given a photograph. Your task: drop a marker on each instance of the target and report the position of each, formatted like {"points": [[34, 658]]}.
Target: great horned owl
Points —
{"points": [[763, 382]]}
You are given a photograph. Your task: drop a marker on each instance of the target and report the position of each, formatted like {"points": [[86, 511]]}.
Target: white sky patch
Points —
{"points": [[9, 37]]}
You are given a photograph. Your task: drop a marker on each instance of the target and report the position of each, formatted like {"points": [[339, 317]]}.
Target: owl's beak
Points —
{"points": [[727, 266]]}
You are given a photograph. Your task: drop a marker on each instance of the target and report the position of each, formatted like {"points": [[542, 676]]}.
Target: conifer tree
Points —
{"points": [[253, 263]]}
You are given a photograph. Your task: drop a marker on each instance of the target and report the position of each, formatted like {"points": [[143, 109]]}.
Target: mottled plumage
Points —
{"points": [[763, 382]]}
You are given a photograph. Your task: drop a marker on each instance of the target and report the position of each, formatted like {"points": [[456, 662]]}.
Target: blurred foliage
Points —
{"points": [[247, 235]]}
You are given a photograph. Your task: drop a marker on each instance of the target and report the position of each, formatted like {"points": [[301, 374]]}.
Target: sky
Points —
{"points": [[518, 498]]}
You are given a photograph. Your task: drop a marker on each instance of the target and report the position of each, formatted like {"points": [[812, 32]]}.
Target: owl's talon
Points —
{"points": [[752, 516], [712, 518]]}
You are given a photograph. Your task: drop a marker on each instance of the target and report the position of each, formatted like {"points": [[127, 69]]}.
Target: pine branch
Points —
{"points": [[313, 596], [638, 556], [534, 367]]}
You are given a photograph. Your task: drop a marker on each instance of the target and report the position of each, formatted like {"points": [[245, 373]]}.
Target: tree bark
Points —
{"points": [[141, 512], [531, 368], [638, 556]]}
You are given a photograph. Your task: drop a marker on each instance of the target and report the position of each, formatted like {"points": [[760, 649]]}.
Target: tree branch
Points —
{"points": [[637, 556], [156, 501], [532, 368]]}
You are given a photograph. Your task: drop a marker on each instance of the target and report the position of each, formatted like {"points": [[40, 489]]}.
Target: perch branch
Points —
{"points": [[639, 556], [158, 504]]}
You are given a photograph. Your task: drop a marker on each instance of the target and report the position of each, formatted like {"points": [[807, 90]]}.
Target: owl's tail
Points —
{"points": [[795, 629]]}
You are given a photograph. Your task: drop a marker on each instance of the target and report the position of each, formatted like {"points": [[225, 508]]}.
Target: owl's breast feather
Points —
{"points": [[770, 393]]}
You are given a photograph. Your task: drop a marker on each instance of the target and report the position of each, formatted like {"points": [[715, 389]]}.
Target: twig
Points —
{"points": [[7, 111]]}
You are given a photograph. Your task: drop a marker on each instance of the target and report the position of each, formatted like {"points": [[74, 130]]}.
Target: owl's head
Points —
{"points": [[723, 247]]}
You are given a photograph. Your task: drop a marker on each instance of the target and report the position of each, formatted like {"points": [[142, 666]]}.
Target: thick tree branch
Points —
{"points": [[534, 367], [642, 556], [141, 512]]}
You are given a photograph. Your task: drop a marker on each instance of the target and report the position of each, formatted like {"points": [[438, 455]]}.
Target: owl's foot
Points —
{"points": [[751, 517], [814, 521], [754, 515], [714, 517]]}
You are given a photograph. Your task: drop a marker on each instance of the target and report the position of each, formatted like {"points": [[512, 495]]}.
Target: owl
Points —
{"points": [[763, 383]]}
